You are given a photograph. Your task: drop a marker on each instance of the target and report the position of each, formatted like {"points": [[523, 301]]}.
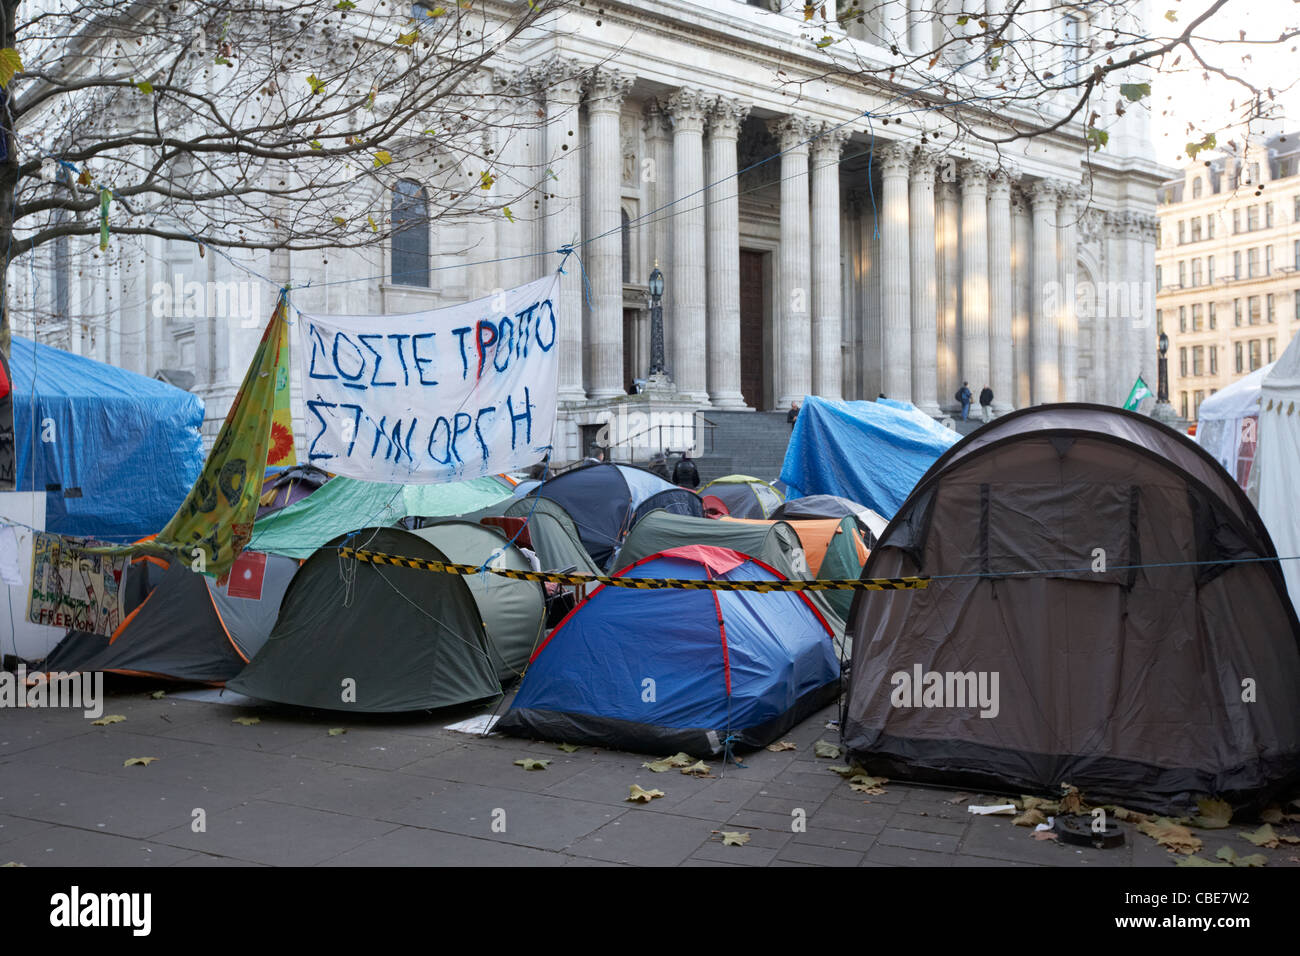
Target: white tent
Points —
{"points": [[1225, 423], [1275, 479]]}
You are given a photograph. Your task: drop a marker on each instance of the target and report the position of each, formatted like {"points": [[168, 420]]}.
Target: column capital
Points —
{"points": [[791, 131], [1149, 226], [606, 89], [688, 108], [1071, 194], [896, 158], [924, 164], [513, 83], [830, 141], [974, 174], [559, 79], [726, 115], [1000, 181], [656, 121], [1042, 192]]}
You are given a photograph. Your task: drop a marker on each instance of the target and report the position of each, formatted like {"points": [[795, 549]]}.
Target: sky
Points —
{"points": [[1181, 95]]}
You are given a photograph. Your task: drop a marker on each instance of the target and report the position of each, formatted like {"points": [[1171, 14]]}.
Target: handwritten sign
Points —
{"points": [[444, 395], [73, 588]]}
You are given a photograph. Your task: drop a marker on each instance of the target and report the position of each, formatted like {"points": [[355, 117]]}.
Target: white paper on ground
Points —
{"points": [[1007, 808], [475, 725]]}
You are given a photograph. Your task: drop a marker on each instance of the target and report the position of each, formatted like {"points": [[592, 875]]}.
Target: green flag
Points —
{"points": [[1140, 391]]}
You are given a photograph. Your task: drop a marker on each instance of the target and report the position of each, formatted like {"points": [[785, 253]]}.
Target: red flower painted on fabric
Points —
{"points": [[281, 443]]}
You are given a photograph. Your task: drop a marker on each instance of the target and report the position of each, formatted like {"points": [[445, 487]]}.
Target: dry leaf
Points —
{"points": [[12, 863], [865, 783], [1030, 818], [733, 838], [826, 749], [567, 748], [1049, 807], [1215, 814], [247, 721], [530, 764], [658, 766], [1128, 816], [959, 798], [782, 745], [158, 694], [105, 721], [1172, 836], [697, 769], [637, 795], [1071, 800], [138, 761], [337, 731], [1229, 854]]}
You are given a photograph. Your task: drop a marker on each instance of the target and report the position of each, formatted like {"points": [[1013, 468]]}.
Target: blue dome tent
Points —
{"points": [[663, 670]]}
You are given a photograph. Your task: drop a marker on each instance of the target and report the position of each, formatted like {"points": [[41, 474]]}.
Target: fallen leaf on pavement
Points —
{"points": [[1172, 836], [1229, 854], [697, 769], [1215, 814], [529, 764], [826, 749], [337, 731], [247, 721], [638, 795], [138, 761], [1030, 818], [733, 838], [105, 721], [568, 748], [782, 745]]}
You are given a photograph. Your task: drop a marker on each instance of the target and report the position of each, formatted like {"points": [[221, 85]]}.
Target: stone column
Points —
{"points": [[513, 164], [1021, 343], [1045, 380], [604, 253], [686, 281], [974, 276], [949, 269], [1001, 301], [795, 358], [1067, 240], [827, 294], [925, 343], [723, 217], [896, 279], [1140, 241], [894, 24], [563, 209], [920, 16]]}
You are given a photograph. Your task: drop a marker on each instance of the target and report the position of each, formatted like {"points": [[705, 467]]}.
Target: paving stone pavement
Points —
{"points": [[407, 792]]}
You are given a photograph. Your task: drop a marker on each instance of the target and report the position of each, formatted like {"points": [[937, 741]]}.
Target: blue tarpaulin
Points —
{"points": [[870, 452], [115, 452]]}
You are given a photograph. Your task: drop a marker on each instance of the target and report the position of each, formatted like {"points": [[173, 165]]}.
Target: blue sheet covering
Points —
{"points": [[869, 452], [129, 444]]}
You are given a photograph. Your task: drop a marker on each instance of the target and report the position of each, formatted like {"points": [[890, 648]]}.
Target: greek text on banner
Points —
{"points": [[445, 395]]}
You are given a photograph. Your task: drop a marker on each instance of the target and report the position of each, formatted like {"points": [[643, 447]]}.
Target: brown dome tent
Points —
{"points": [[1103, 612]]}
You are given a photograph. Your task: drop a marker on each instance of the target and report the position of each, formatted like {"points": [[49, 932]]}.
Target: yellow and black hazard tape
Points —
{"points": [[640, 584]]}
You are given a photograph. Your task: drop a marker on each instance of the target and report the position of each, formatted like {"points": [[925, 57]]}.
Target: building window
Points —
{"points": [[1252, 310], [1198, 396], [1268, 260], [1252, 262], [1196, 272], [1196, 229], [1159, 271], [1236, 350], [1236, 312], [1198, 360], [1254, 172], [1196, 188], [410, 241], [1297, 305], [1182, 362], [1184, 403], [1252, 218], [1254, 354], [1295, 214], [1296, 252], [1209, 226], [1182, 273], [1182, 318], [1236, 265], [1070, 29], [1209, 269], [1214, 321], [1160, 315], [1198, 320], [1269, 310], [1268, 215], [1214, 361], [1272, 350], [1236, 221]]}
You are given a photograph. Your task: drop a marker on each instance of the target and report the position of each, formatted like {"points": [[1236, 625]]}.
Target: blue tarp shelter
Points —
{"points": [[659, 671], [870, 452], [116, 452]]}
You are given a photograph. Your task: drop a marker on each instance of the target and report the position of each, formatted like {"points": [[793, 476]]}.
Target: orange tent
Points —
{"points": [[816, 536]]}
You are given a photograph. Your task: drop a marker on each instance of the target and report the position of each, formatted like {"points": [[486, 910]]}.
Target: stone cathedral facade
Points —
{"points": [[818, 234]]}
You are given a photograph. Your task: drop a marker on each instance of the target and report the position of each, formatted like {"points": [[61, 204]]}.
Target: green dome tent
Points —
{"points": [[373, 638]]}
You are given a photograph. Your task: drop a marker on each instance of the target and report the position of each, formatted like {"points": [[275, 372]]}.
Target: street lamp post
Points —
{"points": [[1162, 384], [656, 322]]}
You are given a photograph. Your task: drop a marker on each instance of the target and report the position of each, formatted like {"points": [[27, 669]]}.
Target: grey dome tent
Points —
{"points": [[1115, 582], [406, 639], [183, 625]]}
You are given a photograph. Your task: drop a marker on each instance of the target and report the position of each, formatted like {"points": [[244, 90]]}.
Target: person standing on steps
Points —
{"points": [[963, 396], [685, 474], [792, 414], [986, 403]]}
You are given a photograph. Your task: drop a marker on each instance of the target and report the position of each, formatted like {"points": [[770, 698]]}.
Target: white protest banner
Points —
{"points": [[444, 395]]}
